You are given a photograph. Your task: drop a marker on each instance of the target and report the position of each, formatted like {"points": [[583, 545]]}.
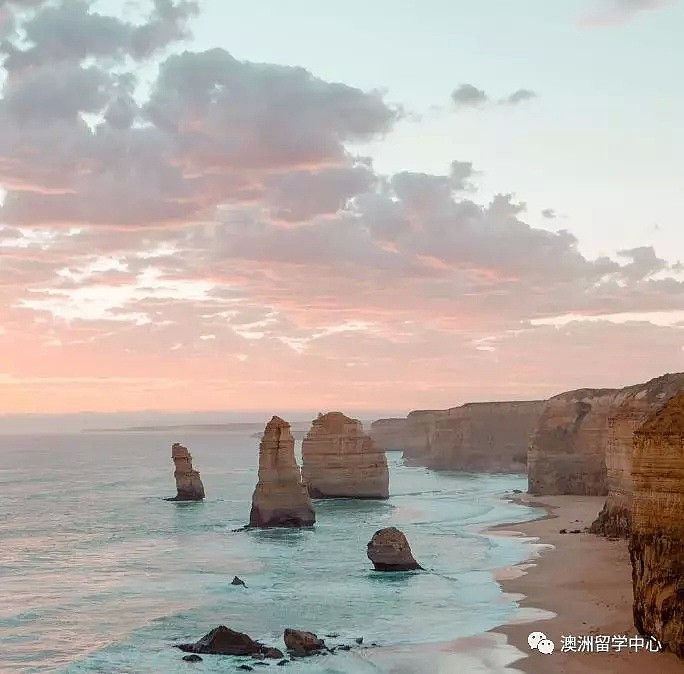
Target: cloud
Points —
{"points": [[469, 96], [519, 96], [610, 13], [548, 213]]}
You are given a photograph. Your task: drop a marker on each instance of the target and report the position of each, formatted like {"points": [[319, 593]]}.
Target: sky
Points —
{"points": [[259, 205]]}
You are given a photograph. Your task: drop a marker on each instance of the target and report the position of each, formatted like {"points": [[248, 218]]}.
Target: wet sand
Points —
{"points": [[586, 581]]}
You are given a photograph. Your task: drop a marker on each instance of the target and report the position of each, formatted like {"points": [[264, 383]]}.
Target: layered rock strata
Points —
{"points": [[657, 540], [280, 498], [567, 451], [389, 434], [632, 406], [340, 461], [484, 437], [189, 486], [389, 550]]}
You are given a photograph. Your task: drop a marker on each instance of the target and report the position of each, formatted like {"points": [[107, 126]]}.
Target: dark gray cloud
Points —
{"points": [[519, 96], [468, 95]]}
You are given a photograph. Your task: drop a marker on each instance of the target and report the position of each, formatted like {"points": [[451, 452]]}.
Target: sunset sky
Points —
{"points": [[301, 205]]}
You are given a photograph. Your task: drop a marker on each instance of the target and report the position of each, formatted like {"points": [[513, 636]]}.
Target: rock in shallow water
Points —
{"points": [[302, 643], [390, 551], [224, 641], [188, 483], [192, 658]]}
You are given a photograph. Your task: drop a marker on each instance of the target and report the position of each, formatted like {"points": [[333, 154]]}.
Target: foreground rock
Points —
{"points": [[657, 541], [632, 406], [340, 461], [280, 498], [224, 641], [188, 483], [301, 644], [390, 551]]}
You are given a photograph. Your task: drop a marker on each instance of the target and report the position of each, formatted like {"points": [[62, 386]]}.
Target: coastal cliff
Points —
{"points": [[633, 406], [189, 486], [484, 437], [280, 498], [479, 437], [657, 540], [567, 452], [340, 461], [389, 434]]}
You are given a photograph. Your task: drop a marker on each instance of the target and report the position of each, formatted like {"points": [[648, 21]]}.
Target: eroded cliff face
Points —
{"points": [[484, 437], [632, 406], [567, 452], [189, 486], [657, 540], [420, 427], [389, 434], [280, 498], [340, 461]]}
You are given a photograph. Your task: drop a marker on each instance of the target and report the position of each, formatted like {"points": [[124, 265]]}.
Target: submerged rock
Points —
{"points": [[301, 643], [192, 658], [390, 551], [280, 498], [657, 541], [224, 641], [340, 461], [188, 483]]}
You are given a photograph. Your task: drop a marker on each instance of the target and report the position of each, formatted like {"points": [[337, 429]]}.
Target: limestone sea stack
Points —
{"points": [[657, 541], [340, 461], [280, 498], [188, 483], [390, 551]]}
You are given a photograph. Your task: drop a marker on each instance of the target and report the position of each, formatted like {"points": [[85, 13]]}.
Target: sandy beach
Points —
{"points": [[586, 581]]}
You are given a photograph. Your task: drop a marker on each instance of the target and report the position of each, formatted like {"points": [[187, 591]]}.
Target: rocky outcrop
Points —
{"points": [[389, 434], [420, 427], [224, 641], [340, 461], [301, 644], [280, 498], [484, 437], [632, 406], [188, 483], [657, 540], [567, 452], [390, 551]]}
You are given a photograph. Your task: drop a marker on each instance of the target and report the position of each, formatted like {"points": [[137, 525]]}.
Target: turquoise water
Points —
{"points": [[99, 574]]}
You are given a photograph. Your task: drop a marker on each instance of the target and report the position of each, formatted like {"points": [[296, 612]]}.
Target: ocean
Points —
{"points": [[98, 573]]}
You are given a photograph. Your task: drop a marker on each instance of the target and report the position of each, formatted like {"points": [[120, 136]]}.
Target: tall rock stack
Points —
{"points": [[633, 405], [280, 498], [340, 461], [657, 541], [188, 483]]}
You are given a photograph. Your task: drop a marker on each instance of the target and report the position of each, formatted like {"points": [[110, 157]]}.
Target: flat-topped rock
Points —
{"points": [[389, 550], [340, 461], [280, 498], [188, 483]]}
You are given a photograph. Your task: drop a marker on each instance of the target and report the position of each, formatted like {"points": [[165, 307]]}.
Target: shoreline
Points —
{"points": [[580, 582]]}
